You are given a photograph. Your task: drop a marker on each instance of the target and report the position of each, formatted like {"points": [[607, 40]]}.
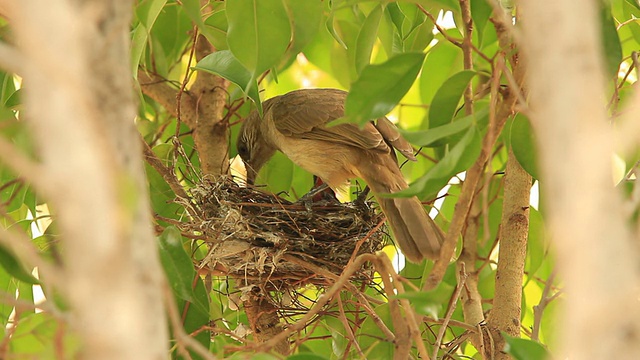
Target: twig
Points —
{"points": [[475, 172], [319, 305], [456, 323], [442, 31], [182, 338], [164, 171], [452, 306], [402, 331], [411, 317], [183, 87], [538, 310], [466, 52], [347, 328]]}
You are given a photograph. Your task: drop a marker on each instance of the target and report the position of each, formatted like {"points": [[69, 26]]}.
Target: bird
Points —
{"points": [[298, 124]]}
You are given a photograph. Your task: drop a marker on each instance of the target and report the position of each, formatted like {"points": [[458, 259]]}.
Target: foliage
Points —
{"points": [[393, 61]]}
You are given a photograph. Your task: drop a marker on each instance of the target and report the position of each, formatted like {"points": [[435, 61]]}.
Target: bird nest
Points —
{"points": [[265, 239]]}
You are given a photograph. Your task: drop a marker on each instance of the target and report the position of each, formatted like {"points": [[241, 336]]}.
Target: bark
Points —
{"points": [[80, 105], [264, 321], [471, 299], [506, 311], [585, 212], [201, 109]]}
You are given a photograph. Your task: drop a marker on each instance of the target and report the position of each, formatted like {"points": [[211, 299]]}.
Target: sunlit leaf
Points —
{"points": [[633, 3], [446, 100], [147, 11], [306, 17], [536, 244], [443, 60], [523, 349], [523, 144], [259, 32], [380, 87], [367, 38], [179, 267], [13, 266], [439, 136], [610, 41], [458, 159], [223, 63], [429, 303], [480, 12], [306, 356]]}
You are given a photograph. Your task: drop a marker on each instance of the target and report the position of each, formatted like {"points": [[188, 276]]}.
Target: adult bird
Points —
{"points": [[296, 125]]}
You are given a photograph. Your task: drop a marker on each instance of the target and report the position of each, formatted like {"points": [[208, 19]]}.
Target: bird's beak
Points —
{"points": [[251, 174]]}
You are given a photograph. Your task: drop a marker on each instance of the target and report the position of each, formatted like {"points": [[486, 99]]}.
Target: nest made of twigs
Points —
{"points": [[263, 238]]}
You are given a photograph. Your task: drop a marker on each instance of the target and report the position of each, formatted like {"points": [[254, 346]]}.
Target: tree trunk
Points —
{"points": [[80, 105]]}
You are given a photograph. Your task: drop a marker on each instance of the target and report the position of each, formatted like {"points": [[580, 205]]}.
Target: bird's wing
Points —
{"points": [[305, 113]]}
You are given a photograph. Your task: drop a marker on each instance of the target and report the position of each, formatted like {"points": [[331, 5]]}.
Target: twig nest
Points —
{"points": [[261, 237]]}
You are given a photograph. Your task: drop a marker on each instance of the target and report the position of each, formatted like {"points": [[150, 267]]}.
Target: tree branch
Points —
{"points": [[506, 310], [585, 213]]}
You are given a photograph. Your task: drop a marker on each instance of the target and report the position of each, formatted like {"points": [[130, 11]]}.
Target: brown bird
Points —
{"points": [[295, 124]]}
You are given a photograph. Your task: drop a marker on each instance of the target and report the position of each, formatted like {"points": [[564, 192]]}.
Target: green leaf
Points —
{"points": [[463, 154], [306, 356], [610, 41], [429, 302], [306, 17], [380, 87], [278, 174], [38, 336], [7, 286], [338, 338], [443, 60], [13, 266], [523, 144], [523, 349], [631, 11], [138, 44], [14, 100], [446, 100], [633, 3], [440, 135], [147, 11], [192, 9], [332, 30], [480, 12], [374, 347], [259, 32], [536, 246], [179, 268], [217, 25], [223, 63], [397, 16], [367, 38]]}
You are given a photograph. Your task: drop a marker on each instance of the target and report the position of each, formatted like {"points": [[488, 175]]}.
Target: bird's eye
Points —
{"points": [[243, 151]]}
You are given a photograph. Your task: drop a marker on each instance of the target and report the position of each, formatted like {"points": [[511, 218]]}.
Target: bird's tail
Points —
{"points": [[415, 232]]}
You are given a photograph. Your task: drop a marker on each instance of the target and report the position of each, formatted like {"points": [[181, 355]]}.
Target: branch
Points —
{"points": [[585, 215], [538, 310], [320, 303], [468, 191], [506, 310], [462, 278], [467, 52], [160, 90]]}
